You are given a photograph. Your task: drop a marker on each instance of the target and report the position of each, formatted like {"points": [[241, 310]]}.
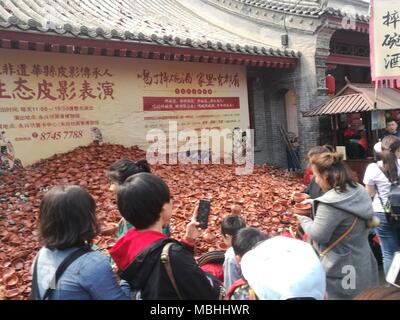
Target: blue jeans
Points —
{"points": [[389, 238]]}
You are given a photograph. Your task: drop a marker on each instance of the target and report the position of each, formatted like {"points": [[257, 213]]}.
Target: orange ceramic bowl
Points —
{"points": [[300, 197]]}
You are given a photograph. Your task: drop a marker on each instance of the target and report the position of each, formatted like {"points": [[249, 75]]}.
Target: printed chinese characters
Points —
{"points": [[391, 40], [52, 89], [200, 79]]}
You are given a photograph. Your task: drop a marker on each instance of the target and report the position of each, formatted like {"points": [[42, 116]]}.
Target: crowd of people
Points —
{"points": [[335, 261]]}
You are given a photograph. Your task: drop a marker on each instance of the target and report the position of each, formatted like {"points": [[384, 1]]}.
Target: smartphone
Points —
{"points": [[203, 212], [393, 275]]}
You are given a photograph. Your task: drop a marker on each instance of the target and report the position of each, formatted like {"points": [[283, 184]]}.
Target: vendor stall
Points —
{"points": [[358, 117]]}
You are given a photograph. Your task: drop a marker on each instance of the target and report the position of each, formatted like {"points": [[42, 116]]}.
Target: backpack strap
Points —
{"points": [[252, 294], [165, 259], [35, 287], [60, 271]]}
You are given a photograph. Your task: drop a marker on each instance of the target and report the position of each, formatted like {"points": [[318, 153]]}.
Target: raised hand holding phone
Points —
{"points": [[192, 228]]}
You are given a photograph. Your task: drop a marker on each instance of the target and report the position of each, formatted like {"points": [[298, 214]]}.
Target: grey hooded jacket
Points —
{"points": [[350, 266]]}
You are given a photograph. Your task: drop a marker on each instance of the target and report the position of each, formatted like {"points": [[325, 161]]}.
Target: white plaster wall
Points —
{"points": [[266, 35]]}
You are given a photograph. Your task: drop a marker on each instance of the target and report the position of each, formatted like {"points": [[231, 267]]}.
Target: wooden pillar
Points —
{"points": [[334, 121], [370, 136]]}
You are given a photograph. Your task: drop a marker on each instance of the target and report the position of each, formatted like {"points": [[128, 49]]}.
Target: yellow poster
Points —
{"points": [[53, 102], [385, 40]]}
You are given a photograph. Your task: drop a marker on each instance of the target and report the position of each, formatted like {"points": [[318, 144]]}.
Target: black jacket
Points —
{"points": [[314, 190], [148, 274]]}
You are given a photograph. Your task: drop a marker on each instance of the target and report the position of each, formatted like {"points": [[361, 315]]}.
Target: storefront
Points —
{"points": [[358, 116]]}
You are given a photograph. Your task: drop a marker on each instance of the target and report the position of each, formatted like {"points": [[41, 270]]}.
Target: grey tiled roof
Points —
{"points": [[308, 8], [303, 8], [338, 13], [162, 22]]}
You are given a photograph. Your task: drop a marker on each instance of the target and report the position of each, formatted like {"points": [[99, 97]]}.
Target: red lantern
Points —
{"points": [[330, 84]]}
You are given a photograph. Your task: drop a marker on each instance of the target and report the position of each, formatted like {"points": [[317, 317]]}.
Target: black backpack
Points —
{"points": [[392, 206], [59, 272]]}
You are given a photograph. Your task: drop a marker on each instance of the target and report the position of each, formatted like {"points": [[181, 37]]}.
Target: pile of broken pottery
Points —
{"points": [[263, 198]]}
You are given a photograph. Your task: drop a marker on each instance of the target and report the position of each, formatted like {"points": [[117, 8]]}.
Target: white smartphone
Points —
{"points": [[393, 275]]}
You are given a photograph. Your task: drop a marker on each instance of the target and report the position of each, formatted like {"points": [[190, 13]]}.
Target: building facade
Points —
{"points": [[280, 50]]}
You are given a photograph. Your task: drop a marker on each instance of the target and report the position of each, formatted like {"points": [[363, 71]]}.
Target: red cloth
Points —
{"points": [[349, 132], [286, 234], [363, 143], [307, 176], [131, 244], [217, 270]]}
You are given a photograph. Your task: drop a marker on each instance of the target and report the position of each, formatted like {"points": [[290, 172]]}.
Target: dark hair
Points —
{"points": [[389, 158], [141, 199], [121, 170], [388, 120], [232, 224], [331, 166], [320, 149], [67, 218], [379, 293], [245, 239]]}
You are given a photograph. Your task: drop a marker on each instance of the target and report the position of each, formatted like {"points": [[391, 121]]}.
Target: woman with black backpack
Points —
{"points": [[66, 268], [378, 179]]}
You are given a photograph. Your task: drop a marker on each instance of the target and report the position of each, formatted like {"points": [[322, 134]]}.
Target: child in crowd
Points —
{"points": [[242, 242], [118, 172], [229, 227]]}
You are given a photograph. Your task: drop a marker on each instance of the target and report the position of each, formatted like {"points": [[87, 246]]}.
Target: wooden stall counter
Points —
{"points": [[359, 167]]}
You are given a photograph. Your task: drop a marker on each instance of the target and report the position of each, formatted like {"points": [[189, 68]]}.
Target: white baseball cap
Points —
{"points": [[283, 268]]}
